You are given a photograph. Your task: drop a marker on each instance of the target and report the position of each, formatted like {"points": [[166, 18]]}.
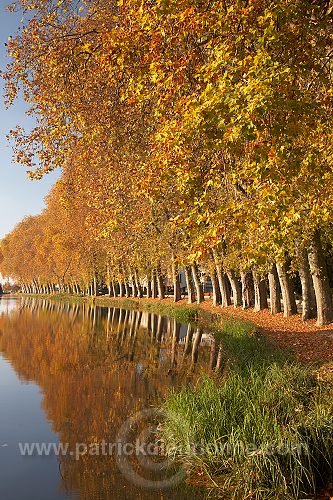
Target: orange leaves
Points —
{"points": [[272, 155], [177, 124]]}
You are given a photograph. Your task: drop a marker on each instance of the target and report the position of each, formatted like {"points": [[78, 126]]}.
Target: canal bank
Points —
{"points": [[257, 423], [308, 342]]}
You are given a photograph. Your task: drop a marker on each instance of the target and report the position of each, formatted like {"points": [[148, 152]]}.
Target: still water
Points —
{"points": [[87, 378]]}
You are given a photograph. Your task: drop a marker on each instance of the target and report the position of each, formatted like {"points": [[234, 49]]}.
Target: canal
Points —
{"points": [[79, 385]]}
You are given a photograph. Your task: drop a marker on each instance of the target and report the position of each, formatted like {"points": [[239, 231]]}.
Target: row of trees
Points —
{"points": [[193, 135]]}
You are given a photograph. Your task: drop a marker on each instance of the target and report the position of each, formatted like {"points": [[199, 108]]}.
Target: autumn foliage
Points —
{"points": [[193, 135]]}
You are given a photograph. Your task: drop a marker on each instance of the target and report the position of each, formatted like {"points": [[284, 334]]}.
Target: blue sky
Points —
{"points": [[19, 196]]}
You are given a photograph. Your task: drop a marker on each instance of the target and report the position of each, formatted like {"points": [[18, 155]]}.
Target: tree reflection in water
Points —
{"points": [[96, 367]]}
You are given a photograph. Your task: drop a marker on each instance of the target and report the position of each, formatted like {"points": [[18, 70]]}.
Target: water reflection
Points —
{"points": [[96, 367]]}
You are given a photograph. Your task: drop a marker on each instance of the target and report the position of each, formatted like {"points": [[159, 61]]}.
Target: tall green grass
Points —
{"points": [[182, 314], [265, 431]]}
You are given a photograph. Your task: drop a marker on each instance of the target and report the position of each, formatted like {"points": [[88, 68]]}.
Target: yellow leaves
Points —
{"points": [[199, 111], [185, 14], [253, 225], [87, 47], [272, 156]]}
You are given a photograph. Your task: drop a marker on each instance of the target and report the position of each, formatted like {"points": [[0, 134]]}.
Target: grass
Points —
{"points": [[182, 314], [244, 346], [57, 297], [264, 431]]}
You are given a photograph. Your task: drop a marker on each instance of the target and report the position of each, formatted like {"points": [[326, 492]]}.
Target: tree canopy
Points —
{"points": [[192, 135]]}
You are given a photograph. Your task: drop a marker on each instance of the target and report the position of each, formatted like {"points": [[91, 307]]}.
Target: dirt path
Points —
{"points": [[309, 342]]}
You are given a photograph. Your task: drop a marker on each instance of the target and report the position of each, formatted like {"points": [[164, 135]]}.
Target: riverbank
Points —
{"points": [[260, 428], [269, 412], [308, 342]]}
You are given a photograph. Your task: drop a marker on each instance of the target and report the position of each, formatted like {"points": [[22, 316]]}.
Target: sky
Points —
{"points": [[19, 196]]}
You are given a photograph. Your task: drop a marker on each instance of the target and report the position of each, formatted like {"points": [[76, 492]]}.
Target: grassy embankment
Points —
{"points": [[263, 429]]}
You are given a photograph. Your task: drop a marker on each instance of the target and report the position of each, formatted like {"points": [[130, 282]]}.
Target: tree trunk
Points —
{"points": [[222, 279], [134, 288], [224, 289], [260, 292], [160, 284], [197, 283], [108, 277], [309, 307], [121, 289], [287, 289], [154, 290], [247, 289], [127, 288], [175, 280], [320, 281], [95, 291], [138, 285], [274, 290], [217, 297], [149, 289], [189, 285], [236, 289]]}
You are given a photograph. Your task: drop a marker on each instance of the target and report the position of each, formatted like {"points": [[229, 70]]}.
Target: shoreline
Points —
{"points": [[258, 376], [308, 342]]}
